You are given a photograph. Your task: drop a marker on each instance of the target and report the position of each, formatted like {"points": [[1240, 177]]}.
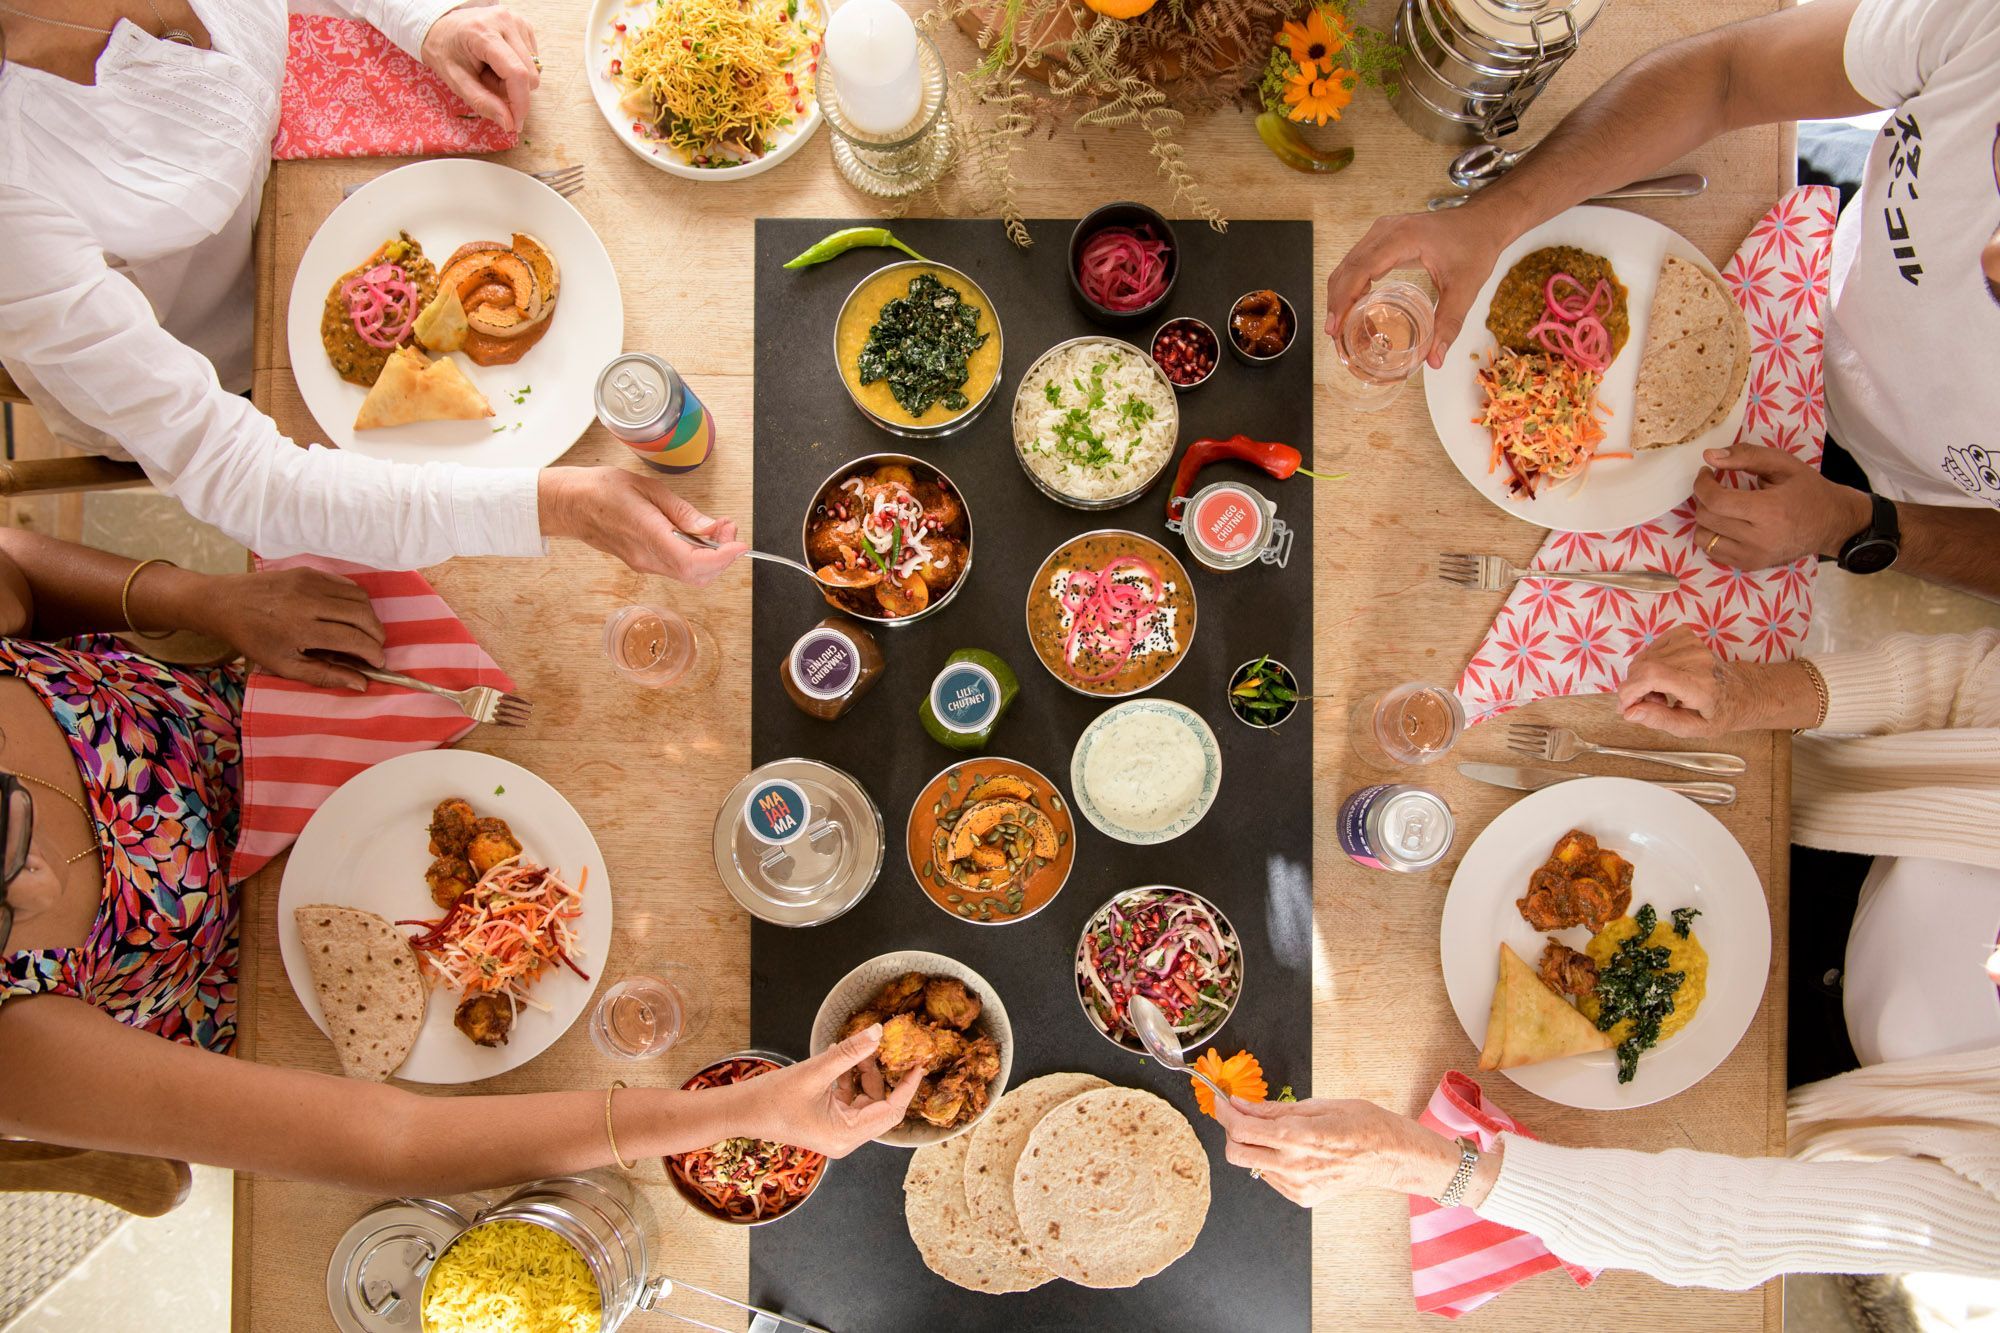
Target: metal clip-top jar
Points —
{"points": [[1471, 67]]}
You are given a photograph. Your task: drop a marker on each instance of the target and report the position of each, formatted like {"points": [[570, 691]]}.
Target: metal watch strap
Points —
{"points": [[1468, 1161]]}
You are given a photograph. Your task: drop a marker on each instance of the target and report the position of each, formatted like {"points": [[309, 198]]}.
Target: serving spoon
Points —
{"points": [[708, 544], [1156, 1034]]}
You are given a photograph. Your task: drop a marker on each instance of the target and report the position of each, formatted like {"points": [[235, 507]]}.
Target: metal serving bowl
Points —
{"points": [[1285, 675], [923, 470], [951, 425], [1247, 358], [1173, 420], [701, 1205], [1131, 1043]]}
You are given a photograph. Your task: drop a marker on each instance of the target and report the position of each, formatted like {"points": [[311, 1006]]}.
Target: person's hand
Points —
{"points": [[280, 618], [1676, 684], [1312, 1150], [487, 56], [1456, 247], [635, 518], [1793, 512], [816, 1104]]}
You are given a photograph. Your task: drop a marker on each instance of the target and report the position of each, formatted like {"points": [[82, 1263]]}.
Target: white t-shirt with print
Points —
{"points": [[1913, 331]]}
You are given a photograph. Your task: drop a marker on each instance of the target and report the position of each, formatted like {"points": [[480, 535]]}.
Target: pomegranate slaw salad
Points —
{"points": [[1169, 945]]}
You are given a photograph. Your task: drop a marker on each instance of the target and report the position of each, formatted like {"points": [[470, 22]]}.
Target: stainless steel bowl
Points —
{"points": [[1173, 564], [1285, 674], [867, 463], [1248, 359], [1174, 420], [1131, 1042], [1201, 324], [916, 808], [951, 425], [702, 1206]]}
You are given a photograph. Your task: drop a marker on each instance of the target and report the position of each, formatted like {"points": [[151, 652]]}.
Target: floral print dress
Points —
{"points": [[158, 751]]}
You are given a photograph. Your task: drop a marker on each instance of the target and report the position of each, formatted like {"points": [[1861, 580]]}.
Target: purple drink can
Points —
{"points": [[1391, 826], [644, 402]]}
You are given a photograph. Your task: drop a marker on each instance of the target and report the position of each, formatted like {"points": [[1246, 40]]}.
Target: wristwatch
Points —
{"points": [[1468, 1161], [1875, 547]]}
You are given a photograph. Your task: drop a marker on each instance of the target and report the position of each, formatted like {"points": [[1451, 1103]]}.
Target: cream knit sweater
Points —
{"points": [[1894, 1168]]}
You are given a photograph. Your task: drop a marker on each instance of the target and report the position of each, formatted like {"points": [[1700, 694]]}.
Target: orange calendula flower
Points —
{"points": [[1314, 42], [1320, 100], [1240, 1076]]}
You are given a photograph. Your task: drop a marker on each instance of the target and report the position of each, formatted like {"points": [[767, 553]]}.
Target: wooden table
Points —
{"points": [[646, 770]]}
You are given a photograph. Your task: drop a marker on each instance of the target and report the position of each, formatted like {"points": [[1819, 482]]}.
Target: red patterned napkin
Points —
{"points": [[351, 92], [1459, 1260], [1552, 639], [300, 741]]}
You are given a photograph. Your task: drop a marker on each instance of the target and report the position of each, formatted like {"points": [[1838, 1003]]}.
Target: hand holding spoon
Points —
{"points": [[1156, 1034]]}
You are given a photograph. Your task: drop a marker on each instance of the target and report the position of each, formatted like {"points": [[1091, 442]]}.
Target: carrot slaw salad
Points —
{"points": [[1545, 418], [745, 1180], [504, 932]]}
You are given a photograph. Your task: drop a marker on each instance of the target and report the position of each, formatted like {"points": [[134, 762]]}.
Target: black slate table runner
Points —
{"points": [[846, 1260]]}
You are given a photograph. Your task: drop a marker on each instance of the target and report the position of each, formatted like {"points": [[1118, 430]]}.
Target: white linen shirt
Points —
{"points": [[126, 294]]}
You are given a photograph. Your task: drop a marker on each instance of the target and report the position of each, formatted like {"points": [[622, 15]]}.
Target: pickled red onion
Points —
{"points": [[1573, 330], [1123, 268], [381, 304], [1571, 313], [1108, 618]]}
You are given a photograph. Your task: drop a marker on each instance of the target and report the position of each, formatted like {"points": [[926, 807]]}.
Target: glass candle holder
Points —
{"points": [[901, 162]]}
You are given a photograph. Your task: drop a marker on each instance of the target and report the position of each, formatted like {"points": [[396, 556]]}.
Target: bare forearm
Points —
{"points": [[1958, 546], [115, 1088], [76, 589], [1787, 66]]}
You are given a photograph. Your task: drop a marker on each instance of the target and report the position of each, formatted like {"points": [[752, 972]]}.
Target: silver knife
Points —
{"points": [[1684, 186], [1519, 778]]}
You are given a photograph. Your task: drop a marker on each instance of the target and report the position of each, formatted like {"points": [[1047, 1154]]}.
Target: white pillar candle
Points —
{"points": [[871, 47]]}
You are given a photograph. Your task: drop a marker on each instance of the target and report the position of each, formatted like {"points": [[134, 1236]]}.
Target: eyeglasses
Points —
{"points": [[17, 835]]}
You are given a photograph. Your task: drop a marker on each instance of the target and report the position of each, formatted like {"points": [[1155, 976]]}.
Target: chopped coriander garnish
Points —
{"points": [[500, 791]]}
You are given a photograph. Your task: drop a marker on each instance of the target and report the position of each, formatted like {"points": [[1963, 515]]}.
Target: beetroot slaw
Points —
{"points": [[1168, 945]]}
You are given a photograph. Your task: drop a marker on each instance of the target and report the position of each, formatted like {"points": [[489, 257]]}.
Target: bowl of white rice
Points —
{"points": [[1095, 422]]}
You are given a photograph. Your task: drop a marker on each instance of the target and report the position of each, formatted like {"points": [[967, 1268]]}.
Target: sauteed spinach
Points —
{"points": [[920, 344]]}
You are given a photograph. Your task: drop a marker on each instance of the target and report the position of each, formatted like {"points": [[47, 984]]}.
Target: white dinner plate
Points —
{"points": [[543, 402], [1681, 856], [1617, 492], [367, 847], [1211, 778], [599, 43]]}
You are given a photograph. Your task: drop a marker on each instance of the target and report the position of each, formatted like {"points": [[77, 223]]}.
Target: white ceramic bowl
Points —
{"points": [[852, 992]]}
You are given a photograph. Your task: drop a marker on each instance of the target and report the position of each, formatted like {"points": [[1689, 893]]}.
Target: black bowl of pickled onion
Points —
{"points": [[1123, 260]]}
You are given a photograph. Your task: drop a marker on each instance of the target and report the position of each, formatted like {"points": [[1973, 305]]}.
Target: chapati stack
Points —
{"points": [[1696, 358], [1067, 1177], [370, 991]]}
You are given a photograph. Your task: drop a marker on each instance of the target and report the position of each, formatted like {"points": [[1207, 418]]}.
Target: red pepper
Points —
{"points": [[1279, 460]]}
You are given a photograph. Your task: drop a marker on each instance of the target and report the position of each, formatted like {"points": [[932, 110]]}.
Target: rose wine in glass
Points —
{"points": [[642, 1017], [651, 646], [1382, 343], [1406, 725]]}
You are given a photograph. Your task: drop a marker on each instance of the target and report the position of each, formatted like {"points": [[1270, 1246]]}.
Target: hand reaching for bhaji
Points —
{"points": [[815, 1104]]}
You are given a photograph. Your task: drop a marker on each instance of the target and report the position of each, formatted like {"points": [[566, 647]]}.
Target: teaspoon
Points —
{"points": [[753, 553], [1156, 1034]]}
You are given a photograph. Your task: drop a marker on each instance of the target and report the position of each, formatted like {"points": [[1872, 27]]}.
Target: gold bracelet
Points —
{"points": [[125, 599], [1820, 690], [609, 1093]]}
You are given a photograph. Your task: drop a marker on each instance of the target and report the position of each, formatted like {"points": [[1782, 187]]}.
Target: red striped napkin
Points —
{"points": [[1553, 639], [351, 92], [1459, 1260], [300, 742]]}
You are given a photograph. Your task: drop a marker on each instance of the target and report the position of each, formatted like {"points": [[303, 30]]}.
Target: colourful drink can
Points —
{"points": [[645, 403], [1391, 826]]}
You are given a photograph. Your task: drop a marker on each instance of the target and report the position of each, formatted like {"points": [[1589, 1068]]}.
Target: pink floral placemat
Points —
{"points": [[351, 92], [1553, 639]]}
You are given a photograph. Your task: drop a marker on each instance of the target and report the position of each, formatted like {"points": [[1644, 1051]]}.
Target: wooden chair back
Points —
{"points": [[57, 476], [142, 1186]]}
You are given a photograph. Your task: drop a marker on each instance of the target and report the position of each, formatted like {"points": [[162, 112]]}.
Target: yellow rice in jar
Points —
{"points": [[511, 1277]]}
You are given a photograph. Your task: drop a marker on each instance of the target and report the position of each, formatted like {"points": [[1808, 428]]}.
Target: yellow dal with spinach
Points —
{"points": [[864, 310], [1684, 955], [511, 1277]]}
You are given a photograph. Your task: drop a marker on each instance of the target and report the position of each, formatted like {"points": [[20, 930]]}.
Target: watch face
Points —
{"points": [[1869, 555]]}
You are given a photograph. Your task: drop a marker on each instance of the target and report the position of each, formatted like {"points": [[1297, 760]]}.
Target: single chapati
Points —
{"points": [[996, 1144], [1696, 357], [955, 1245], [370, 991], [1112, 1188]]}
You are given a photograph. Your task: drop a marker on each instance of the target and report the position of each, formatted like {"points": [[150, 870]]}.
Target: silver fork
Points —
{"points": [[481, 703], [1492, 573], [1559, 745], [565, 181]]}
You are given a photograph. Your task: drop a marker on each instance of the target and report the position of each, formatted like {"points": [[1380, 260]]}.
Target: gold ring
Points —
{"points": [[537, 60], [1256, 1173], [1712, 540]]}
